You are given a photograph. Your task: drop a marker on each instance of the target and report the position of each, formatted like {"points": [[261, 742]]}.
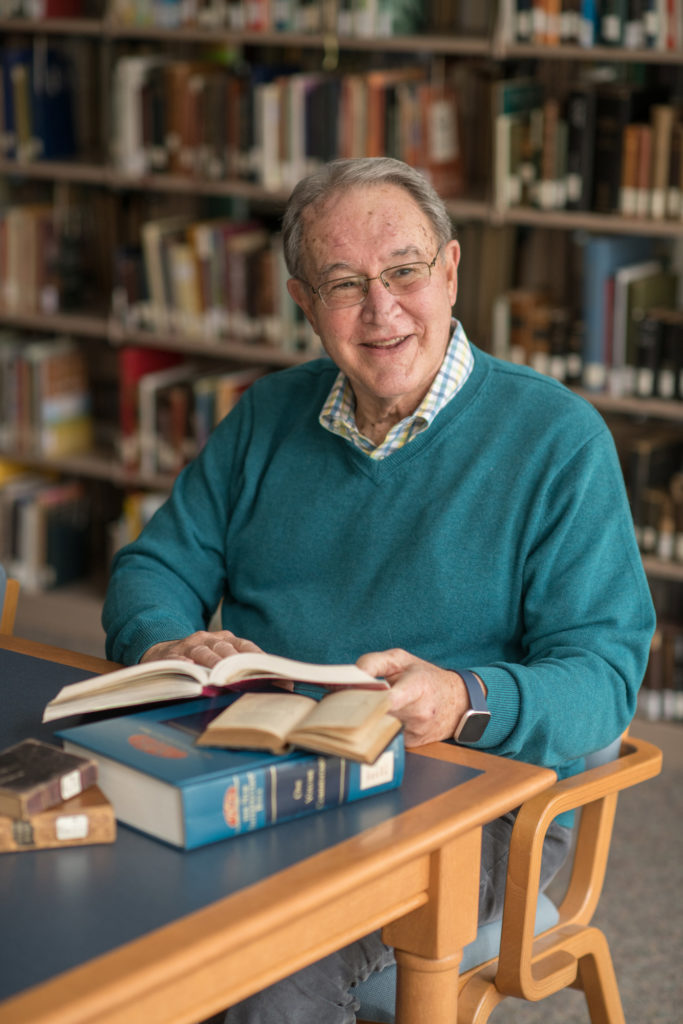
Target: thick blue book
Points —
{"points": [[161, 783]]}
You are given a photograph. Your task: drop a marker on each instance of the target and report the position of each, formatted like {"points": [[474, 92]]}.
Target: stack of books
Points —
{"points": [[49, 798], [192, 772]]}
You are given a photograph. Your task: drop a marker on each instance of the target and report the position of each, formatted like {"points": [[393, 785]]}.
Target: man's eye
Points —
{"points": [[347, 284], [404, 273]]}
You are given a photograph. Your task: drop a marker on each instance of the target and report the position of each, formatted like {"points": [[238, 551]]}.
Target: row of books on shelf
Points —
{"points": [[169, 406], [651, 457], [608, 147], [634, 24], [209, 279], [37, 97], [34, 262], [661, 695], [364, 18], [273, 124], [629, 340], [44, 527], [45, 396]]}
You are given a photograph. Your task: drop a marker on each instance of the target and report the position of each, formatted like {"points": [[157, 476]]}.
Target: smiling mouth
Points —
{"points": [[388, 343]]}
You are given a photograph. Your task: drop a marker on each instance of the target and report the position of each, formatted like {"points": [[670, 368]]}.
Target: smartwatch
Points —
{"points": [[473, 723]]}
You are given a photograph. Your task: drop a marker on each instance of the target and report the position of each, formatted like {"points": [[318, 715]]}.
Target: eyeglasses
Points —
{"points": [[351, 291]]}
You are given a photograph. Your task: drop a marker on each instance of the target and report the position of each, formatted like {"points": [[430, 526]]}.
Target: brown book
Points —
{"points": [[629, 170], [644, 179], [35, 775], [662, 119], [442, 157], [84, 820]]}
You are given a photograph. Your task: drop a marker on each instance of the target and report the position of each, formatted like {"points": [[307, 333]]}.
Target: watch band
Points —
{"points": [[474, 690]]}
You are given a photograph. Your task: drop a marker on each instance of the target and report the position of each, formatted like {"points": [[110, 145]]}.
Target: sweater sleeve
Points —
{"points": [[168, 583], [588, 619]]}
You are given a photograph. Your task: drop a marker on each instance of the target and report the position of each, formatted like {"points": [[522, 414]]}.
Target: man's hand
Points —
{"points": [[430, 701], [202, 647]]}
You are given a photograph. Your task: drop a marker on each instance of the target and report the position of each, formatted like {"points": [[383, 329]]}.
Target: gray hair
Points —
{"points": [[340, 174]]}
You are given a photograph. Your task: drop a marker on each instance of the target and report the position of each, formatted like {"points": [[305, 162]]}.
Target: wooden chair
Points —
{"points": [[543, 949], [9, 597]]}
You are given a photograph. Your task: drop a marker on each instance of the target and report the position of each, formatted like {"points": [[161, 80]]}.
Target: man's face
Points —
{"points": [[390, 346]]}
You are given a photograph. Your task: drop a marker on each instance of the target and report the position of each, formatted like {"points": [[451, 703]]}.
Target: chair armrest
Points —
{"points": [[596, 791], [8, 607]]}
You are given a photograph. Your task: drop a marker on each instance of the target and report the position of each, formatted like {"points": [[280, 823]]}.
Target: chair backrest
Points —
{"points": [[9, 596]]}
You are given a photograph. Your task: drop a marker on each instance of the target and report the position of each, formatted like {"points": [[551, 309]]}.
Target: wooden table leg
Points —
{"points": [[430, 940]]}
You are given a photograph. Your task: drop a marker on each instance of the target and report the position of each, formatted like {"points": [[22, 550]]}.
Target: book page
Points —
{"points": [[346, 711], [255, 665], [256, 717], [154, 680]]}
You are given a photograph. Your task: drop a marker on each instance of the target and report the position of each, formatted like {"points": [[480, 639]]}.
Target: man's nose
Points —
{"points": [[378, 297]]}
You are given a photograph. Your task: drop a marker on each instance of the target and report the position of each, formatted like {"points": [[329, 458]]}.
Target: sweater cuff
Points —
{"points": [[145, 634], [503, 702]]}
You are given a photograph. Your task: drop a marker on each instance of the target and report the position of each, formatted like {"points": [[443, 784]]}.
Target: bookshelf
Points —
{"points": [[470, 55]]}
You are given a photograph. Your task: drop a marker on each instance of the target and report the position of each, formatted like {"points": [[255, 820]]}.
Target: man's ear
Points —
{"points": [[303, 296], [451, 258]]}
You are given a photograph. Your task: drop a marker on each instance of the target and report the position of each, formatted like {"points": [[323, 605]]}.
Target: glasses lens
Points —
{"points": [[407, 278], [346, 291]]}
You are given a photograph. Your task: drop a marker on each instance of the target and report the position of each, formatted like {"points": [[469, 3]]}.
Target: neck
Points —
{"points": [[376, 424]]}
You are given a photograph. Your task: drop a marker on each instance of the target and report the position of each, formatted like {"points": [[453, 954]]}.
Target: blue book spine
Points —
{"points": [[292, 787], [589, 23], [602, 256], [161, 783]]}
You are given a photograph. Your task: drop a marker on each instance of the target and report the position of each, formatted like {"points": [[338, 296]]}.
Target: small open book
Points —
{"points": [[174, 678], [349, 723]]}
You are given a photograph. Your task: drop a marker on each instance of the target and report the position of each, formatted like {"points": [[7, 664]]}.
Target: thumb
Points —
{"points": [[388, 664]]}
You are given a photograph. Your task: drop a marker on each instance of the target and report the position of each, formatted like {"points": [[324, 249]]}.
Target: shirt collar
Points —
{"points": [[338, 413]]}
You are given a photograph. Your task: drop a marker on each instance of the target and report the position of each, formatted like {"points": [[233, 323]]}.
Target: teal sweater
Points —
{"points": [[499, 540]]}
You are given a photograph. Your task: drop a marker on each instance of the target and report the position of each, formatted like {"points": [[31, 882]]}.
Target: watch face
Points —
{"points": [[472, 726]]}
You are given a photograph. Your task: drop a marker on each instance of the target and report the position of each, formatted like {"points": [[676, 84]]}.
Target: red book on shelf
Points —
{"points": [[134, 363]]}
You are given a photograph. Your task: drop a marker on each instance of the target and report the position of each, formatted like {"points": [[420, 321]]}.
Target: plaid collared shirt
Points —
{"points": [[338, 413]]}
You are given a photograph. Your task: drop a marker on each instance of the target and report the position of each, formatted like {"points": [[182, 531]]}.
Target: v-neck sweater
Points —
{"points": [[499, 540]]}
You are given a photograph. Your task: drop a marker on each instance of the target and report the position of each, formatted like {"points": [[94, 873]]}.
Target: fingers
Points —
{"points": [[202, 647]]}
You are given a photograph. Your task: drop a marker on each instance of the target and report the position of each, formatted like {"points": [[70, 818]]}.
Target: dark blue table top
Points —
{"points": [[62, 907]]}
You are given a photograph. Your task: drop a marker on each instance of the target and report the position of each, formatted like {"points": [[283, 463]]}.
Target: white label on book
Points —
{"points": [[71, 826], [611, 28], [70, 785], [376, 774], [574, 187], [443, 131], [658, 203]]}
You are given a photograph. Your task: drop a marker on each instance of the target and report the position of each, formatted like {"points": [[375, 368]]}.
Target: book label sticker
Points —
{"points": [[379, 772], [71, 826], [70, 785]]}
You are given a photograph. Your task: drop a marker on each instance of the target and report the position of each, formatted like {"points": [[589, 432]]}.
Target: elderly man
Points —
{"points": [[452, 522]]}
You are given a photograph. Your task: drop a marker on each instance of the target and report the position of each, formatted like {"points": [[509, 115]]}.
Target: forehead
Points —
{"points": [[371, 222]]}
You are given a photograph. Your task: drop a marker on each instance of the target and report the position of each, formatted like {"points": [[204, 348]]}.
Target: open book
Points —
{"points": [[173, 679], [349, 723]]}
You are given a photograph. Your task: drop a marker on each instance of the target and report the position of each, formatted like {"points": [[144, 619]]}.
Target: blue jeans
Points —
{"points": [[323, 993]]}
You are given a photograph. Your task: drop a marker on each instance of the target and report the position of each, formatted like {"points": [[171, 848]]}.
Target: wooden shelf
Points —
{"points": [[659, 569], [655, 408], [464, 209], [491, 47]]}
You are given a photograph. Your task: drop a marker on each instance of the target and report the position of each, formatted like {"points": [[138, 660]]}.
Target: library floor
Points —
{"points": [[641, 910]]}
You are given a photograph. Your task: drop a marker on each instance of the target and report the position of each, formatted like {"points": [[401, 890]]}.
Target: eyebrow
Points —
{"points": [[408, 253]]}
